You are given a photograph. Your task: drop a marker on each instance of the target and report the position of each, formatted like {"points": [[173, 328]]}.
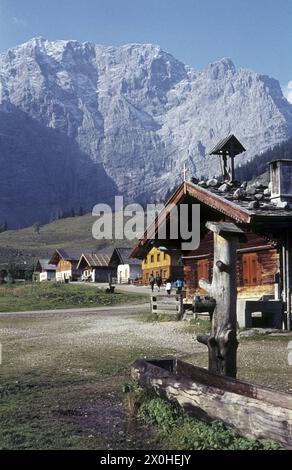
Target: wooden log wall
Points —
{"points": [[265, 263], [63, 265]]}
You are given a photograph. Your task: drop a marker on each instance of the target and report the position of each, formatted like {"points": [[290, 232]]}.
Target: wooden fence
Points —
{"points": [[164, 303]]}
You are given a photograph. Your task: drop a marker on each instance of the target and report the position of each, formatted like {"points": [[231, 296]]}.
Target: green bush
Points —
{"points": [[131, 386], [160, 412]]}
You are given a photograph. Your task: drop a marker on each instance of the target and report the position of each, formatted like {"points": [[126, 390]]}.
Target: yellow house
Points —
{"points": [[164, 263]]}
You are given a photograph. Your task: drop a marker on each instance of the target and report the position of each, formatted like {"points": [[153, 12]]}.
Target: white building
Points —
{"points": [[128, 269], [45, 271]]}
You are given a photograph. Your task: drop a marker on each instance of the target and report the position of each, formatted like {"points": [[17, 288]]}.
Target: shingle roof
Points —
{"points": [[70, 254], [46, 266], [266, 216], [265, 205], [124, 255], [96, 260], [225, 144]]}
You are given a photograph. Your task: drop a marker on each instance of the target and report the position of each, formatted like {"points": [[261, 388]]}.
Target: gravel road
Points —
{"points": [[117, 326]]}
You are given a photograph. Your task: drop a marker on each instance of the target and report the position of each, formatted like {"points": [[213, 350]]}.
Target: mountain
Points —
{"points": [[259, 166], [81, 122]]}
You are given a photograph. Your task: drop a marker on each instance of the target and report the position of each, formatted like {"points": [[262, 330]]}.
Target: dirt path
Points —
{"points": [[107, 326], [141, 307]]}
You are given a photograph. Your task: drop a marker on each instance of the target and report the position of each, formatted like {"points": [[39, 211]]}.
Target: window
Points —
{"points": [[152, 259], [251, 270], [158, 258]]}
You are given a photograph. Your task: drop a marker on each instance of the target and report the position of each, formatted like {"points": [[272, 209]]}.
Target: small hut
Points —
{"points": [[127, 269], [44, 271], [95, 267], [66, 261]]}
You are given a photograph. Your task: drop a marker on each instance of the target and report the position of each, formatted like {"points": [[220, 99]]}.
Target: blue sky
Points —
{"points": [[256, 34]]}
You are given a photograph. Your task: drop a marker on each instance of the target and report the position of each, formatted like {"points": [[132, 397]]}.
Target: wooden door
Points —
{"points": [[251, 270]]}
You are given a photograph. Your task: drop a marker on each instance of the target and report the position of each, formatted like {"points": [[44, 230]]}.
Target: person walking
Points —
{"points": [[179, 285], [151, 282], [168, 287], [158, 281]]}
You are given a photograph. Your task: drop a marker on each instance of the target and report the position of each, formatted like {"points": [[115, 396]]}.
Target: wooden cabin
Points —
{"points": [[66, 261], [127, 269], [264, 260], [44, 271], [162, 262], [257, 258], [95, 267]]}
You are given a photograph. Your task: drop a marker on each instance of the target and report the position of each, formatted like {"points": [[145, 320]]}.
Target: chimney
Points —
{"points": [[281, 182]]}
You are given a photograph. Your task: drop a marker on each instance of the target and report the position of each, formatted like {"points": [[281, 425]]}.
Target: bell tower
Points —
{"points": [[227, 149]]}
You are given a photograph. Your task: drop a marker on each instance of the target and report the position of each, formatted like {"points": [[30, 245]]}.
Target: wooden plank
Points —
{"points": [[166, 301], [161, 298], [169, 308], [166, 311], [224, 228]]}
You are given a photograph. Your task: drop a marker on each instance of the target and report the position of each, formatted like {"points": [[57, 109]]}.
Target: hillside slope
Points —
{"points": [[26, 245]]}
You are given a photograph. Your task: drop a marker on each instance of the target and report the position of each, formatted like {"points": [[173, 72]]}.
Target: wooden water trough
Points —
{"points": [[250, 410]]}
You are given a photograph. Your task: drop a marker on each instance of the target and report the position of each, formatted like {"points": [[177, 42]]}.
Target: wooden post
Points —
{"points": [[222, 343], [225, 166], [180, 302], [288, 277], [231, 157]]}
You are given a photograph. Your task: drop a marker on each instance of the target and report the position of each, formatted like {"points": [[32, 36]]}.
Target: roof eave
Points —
{"points": [[228, 208], [204, 196], [150, 232]]}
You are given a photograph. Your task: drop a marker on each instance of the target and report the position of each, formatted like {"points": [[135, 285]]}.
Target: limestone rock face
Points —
{"points": [[134, 115]]}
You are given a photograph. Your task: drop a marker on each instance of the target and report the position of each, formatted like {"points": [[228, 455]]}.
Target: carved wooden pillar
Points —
{"points": [[222, 342]]}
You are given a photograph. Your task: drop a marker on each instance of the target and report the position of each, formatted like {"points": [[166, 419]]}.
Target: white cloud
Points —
{"points": [[19, 21], [288, 91]]}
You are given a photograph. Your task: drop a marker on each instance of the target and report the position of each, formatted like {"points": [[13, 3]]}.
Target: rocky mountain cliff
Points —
{"points": [[81, 122]]}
